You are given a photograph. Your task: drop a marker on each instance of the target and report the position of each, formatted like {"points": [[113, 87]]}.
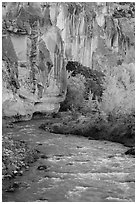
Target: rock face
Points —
{"points": [[38, 41], [34, 73]]}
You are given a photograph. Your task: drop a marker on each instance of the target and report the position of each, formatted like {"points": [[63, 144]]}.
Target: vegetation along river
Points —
{"points": [[74, 169]]}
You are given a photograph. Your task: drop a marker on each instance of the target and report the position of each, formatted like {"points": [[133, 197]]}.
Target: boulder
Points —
{"points": [[45, 107], [131, 151], [16, 107]]}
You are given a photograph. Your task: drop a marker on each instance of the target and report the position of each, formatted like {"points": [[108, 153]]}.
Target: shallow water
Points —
{"points": [[77, 169]]}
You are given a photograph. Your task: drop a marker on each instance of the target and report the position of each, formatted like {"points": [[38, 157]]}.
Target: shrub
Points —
{"points": [[75, 93], [94, 78], [119, 95], [118, 98]]}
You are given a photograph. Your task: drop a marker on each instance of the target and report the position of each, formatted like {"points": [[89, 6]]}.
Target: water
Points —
{"points": [[77, 169]]}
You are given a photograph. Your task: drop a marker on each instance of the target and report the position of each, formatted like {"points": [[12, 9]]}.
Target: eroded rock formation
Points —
{"points": [[34, 75], [38, 41]]}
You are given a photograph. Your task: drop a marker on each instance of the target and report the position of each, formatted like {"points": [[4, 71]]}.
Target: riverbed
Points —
{"points": [[72, 169]]}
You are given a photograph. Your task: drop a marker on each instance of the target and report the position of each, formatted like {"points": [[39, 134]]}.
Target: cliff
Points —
{"points": [[38, 41]]}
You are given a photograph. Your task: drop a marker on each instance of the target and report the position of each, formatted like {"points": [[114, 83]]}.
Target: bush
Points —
{"points": [[75, 93], [81, 82], [119, 95], [94, 78]]}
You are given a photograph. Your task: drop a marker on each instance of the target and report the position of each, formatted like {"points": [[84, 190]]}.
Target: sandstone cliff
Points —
{"points": [[38, 41]]}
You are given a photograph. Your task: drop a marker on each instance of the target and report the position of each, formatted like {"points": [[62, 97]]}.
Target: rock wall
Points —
{"points": [[38, 41], [34, 70], [90, 33], [78, 45]]}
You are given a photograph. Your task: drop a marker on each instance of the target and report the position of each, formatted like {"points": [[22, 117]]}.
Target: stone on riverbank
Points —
{"points": [[131, 151], [16, 155], [18, 108]]}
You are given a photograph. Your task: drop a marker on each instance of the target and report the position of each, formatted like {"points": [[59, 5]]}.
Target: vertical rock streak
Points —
{"points": [[75, 34], [33, 53]]}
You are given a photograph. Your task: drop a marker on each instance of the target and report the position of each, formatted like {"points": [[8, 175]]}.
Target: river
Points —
{"points": [[74, 169]]}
